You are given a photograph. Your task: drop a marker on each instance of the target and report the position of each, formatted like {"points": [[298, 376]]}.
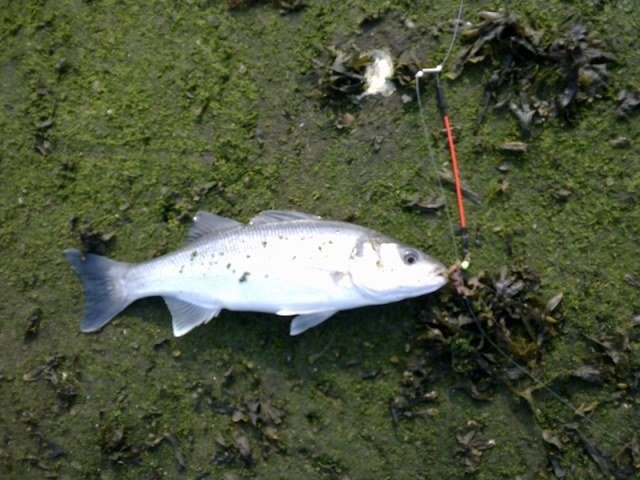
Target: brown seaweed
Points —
{"points": [[485, 325], [471, 444], [548, 79]]}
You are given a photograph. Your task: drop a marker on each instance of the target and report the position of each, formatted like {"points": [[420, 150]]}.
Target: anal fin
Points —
{"points": [[186, 316], [304, 322]]}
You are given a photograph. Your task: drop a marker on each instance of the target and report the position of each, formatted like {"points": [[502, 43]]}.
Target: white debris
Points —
{"points": [[378, 74]]}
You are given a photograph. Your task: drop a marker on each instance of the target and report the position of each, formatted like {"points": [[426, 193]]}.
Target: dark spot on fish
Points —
{"points": [[359, 248], [244, 277], [248, 256], [194, 254], [337, 277], [264, 243], [228, 265]]}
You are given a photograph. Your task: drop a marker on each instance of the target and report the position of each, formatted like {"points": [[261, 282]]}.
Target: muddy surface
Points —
{"points": [[120, 120]]}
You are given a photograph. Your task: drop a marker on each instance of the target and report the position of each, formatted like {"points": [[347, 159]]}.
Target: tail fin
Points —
{"points": [[104, 296]]}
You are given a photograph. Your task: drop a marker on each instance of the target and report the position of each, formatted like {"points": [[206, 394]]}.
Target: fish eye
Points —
{"points": [[410, 257]]}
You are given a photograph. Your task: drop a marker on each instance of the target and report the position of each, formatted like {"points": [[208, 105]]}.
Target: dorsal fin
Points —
{"points": [[276, 216], [205, 223]]}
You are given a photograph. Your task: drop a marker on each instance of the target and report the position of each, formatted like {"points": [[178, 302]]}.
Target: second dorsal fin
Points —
{"points": [[276, 216], [205, 223]]}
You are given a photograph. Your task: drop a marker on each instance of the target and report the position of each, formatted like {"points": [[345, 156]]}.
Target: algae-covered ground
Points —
{"points": [[119, 120]]}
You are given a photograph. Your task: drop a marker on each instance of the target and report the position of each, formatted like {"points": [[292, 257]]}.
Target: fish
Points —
{"points": [[282, 262]]}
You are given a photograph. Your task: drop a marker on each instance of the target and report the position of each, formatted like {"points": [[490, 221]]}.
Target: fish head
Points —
{"points": [[385, 270]]}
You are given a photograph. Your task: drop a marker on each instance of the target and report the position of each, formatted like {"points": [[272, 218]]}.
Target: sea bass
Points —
{"points": [[282, 262]]}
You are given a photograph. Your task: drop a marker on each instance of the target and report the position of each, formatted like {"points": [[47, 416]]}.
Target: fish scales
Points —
{"points": [[255, 268], [282, 262]]}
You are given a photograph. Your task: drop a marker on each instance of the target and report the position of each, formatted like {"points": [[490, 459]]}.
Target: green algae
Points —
{"points": [[129, 117]]}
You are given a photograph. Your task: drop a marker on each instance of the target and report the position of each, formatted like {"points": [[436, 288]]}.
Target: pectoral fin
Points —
{"points": [[309, 320], [187, 316]]}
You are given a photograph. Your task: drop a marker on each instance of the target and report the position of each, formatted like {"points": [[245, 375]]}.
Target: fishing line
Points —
{"points": [[464, 264], [442, 107]]}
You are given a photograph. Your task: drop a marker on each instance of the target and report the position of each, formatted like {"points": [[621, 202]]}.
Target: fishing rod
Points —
{"points": [[442, 107]]}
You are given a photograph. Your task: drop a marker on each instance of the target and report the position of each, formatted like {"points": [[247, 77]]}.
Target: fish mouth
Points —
{"points": [[443, 276], [437, 279]]}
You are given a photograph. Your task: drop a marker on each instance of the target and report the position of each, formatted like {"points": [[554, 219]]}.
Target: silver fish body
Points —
{"points": [[282, 262]]}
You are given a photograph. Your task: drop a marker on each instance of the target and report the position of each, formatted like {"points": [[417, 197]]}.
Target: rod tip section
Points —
{"points": [[436, 69]]}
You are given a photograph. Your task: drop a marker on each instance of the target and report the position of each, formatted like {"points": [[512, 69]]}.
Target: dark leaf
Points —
{"points": [[552, 439], [177, 451], [33, 324], [620, 142], [524, 114], [241, 442], [631, 280], [95, 242], [45, 125], [447, 177], [53, 450], [586, 407], [614, 346], [588, 373], [473, 391], [63, 66], [561, 194], [34, 374], [370, 375], [269, 413], [517, 147], [558, 471], [554, 302], [602, 460], [471, 445], [161, 341], [627, 103], [635, 452], [527, 396], [424, 205]]}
